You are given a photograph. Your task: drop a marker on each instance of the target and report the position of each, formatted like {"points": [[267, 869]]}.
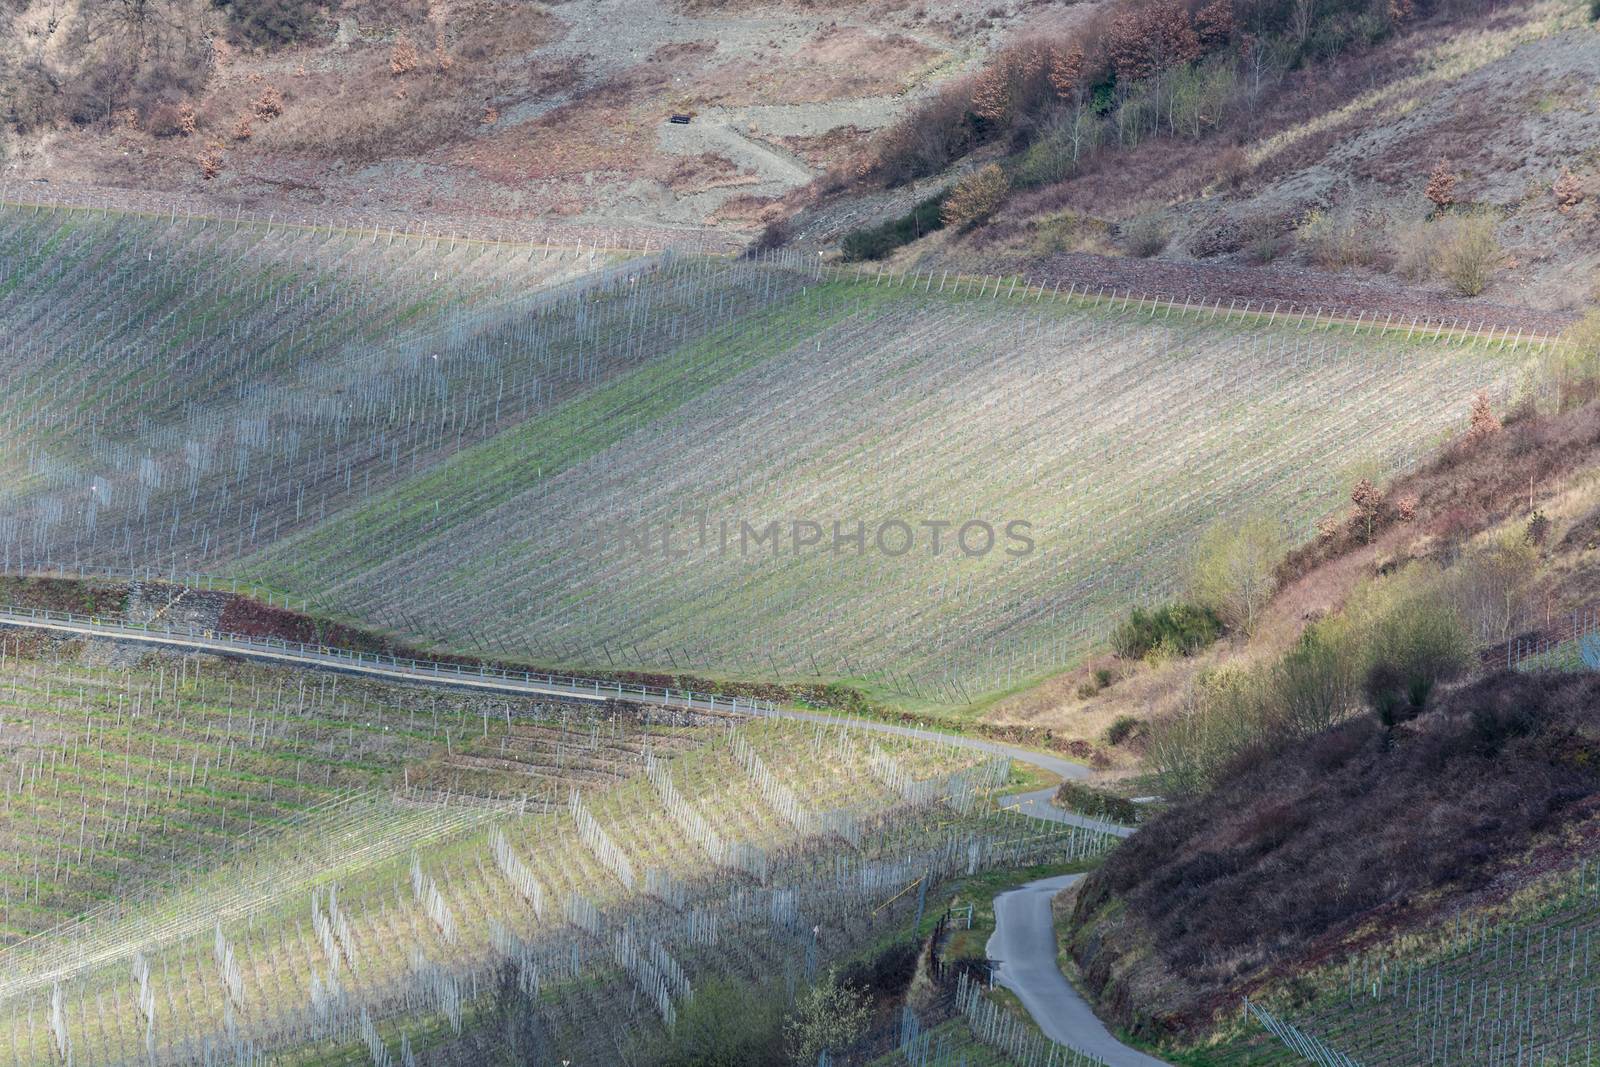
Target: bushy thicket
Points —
{"points": [[271, 23], [876, 242], [976, 197], [1097, 804], [1302, 842], [727, 1024], [116, 63], [1398, 638], [1172, 629]]}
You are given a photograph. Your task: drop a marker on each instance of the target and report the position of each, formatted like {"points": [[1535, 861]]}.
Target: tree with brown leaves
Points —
{"points": [[210, 160], [188, 119], [991, 93], [1214, 23], [243, 130], [1441, 186], [1144, 42], [1568, 191], [1406, 507], [269, 105], [1368, 499], [1066, 71], [1484, 422], [403, 59]]}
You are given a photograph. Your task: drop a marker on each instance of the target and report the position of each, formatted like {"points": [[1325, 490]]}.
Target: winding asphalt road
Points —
{"points": [[1024, 947]]}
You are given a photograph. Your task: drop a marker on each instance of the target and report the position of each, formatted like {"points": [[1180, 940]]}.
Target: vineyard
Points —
{"points": [[1520, 991], [262, 860], [1116, 438], [514, 450]]}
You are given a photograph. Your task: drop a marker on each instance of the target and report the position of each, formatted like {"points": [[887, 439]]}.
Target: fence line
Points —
{"points": [[1002, 1030], [480, 230], [1306, 1045], [328, 656], [1151, 302]]}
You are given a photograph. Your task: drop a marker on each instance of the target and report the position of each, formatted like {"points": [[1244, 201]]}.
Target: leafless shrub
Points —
{"points": [[976, 197], [1416, 250], [1263, 238], [1233, 166], [1344, 238], [1469, 254], [1146, 236]]}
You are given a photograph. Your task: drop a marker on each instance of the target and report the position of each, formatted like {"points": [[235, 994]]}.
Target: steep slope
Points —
{"points": [[442, 451], [1349, 842], [1441, 146]]}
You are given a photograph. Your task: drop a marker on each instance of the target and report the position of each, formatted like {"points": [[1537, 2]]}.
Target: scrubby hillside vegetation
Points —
{"points": [[468, 107], [1390, 769], [1443, 145], [1365, 833]]}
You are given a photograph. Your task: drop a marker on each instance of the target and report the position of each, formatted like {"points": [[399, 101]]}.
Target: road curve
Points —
{"points": [[1023, 946]]}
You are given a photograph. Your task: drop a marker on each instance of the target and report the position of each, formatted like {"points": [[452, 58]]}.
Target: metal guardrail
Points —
{"points": [[484, 676]]}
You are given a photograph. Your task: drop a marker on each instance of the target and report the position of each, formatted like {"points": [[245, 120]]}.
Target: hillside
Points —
{"points": [[1443, 148], [520, 505], [799, 533], [470, 107], [1361, 840], [320, 801]]}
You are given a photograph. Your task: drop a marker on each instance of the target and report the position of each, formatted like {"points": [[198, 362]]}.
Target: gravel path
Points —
{"points": [[1023, 946]]}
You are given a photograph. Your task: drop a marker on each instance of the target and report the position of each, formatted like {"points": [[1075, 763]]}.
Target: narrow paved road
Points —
{"points": [[1037, 804], [1024, 946]]}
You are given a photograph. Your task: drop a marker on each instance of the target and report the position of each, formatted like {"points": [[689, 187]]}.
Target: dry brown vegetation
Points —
{"points": [[1137, 71], [1251, 147], [1301, 848], [976, 197]]}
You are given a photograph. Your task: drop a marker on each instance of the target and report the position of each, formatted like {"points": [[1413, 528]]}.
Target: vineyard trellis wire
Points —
{"points": [[1021, 1043], [1521, 990]]}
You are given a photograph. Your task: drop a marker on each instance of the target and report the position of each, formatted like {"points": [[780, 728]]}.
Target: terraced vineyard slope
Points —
{"points": [[748, 467], [605, 862]]}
